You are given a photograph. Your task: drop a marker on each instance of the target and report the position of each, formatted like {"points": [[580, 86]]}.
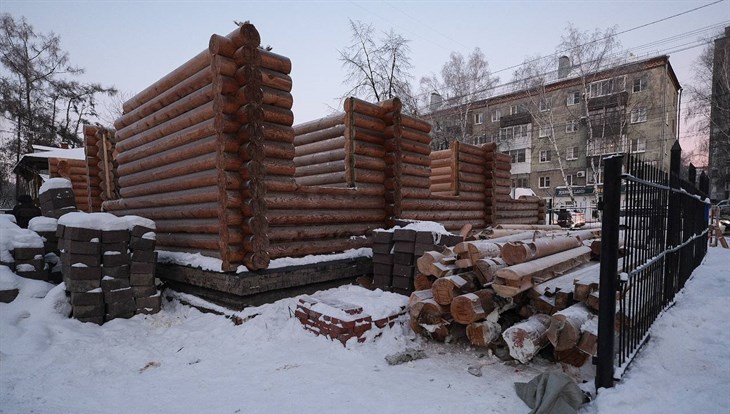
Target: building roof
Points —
{"points": [[35, 161], [630, 67]]}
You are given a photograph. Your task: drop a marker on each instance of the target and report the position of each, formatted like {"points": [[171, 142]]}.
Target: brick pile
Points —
{"points": [[338, 320], [46, 227], [395, 253], [102, 270], [57, 197]]}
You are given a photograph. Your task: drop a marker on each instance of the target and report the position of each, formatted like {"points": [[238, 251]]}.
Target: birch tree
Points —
{"points": [[378, 68], [463, 82]]}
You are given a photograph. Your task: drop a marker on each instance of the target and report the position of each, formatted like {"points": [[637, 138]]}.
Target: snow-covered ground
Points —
{"points": [[185, 361]]}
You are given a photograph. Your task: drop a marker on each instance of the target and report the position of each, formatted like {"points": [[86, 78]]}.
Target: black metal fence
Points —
{"points": [[652, 240]]}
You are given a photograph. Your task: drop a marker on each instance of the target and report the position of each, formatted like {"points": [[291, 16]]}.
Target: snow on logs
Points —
{"points": [[473, 287]]}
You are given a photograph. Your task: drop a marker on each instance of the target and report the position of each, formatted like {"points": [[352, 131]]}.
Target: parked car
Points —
{"points": [[724, 206], [571, 218]]}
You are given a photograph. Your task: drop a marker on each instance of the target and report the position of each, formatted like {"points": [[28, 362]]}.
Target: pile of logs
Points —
{"points": [[521, 289]]}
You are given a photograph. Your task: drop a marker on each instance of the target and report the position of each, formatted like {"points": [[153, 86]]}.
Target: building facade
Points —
{"points": [[558, 131], [719, 148]]}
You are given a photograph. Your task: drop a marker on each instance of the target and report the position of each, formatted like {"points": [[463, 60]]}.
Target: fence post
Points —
{"points": [[673, 222], [705, 184], [609, 268], [692, 174]]}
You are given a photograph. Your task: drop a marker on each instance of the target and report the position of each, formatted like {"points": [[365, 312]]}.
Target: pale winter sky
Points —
{"points": [[130, 44]]}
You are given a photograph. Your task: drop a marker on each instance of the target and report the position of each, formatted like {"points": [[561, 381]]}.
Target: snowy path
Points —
{"points": [[184, 361]]}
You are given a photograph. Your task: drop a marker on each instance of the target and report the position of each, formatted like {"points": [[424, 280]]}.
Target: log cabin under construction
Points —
{"points": [[210, 153]]}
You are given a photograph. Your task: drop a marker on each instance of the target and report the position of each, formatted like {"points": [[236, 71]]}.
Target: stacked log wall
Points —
{"points": [[101, 165], [320, 152], [75, 171], [177, 149], [443, 179]]}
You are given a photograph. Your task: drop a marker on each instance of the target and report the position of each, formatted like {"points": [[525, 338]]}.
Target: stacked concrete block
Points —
{"points": [[57, 197], [142, 265], [104, 275], [382, 259], [47, 228], [27, 254], [395, 253]]}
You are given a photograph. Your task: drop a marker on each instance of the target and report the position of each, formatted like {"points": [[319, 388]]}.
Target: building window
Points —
{"points": [[573, 98], [568, 180], [571, 126], [478, 118], [517, 131], [640, 84], [544, 132], [638, 145], [638, 115], [545, 156], [544, 182], [496, 115], [545, 104], [520, 182], [571, 153], [608, 86], [517, 155]]}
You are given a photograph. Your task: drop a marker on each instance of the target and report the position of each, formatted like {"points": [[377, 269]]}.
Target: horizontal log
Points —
{"points": [[319, 169], [320, 157], [203, 146], [440, 215], [359, 134], [319, 135], [365, 122], [319, 125], [411, 122], [186, 136], [192, 196], [368, 149], [266, 77], [447, 205], [472, 307], [187, 103], [483, 333], [471, 178], [470, 149], [322, 231], [272, 149], [287, 217], [319, 147], [359, 106], [410, 146], [198, 241], [363, 175], [337, 178], [197, 225], [407, 134], [206, 210], [177, 124], [176, 169], [527, 338], [307, 247], [182, 72], [468, 158], [522, 251], [443, 187], [368, 163], [275, 62]]}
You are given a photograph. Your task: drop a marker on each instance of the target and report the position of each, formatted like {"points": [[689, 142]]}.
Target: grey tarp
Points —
{"points": [[550, 393]]}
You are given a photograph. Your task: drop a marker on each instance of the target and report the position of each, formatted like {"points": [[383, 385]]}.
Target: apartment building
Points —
{"points": [[719, 148], [558, 129]]}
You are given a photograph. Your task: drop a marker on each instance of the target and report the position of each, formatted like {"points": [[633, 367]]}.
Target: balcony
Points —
{"points": [[608, 101], [516, 119]]}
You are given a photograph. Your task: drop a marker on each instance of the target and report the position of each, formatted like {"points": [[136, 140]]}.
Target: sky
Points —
{"points": [[131, 44]]}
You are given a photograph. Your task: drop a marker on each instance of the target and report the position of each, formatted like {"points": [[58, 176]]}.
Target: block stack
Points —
{"points": [[46, 228], [395, 253], [28, 254], [143, 260], [104, 279], [57, 197]]}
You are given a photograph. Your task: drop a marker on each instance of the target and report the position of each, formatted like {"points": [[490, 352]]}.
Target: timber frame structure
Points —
{"points": [[210, 154]]}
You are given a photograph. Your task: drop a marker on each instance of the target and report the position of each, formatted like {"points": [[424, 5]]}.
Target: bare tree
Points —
{"points": [[35, 95], [377, 68], [463, 82], [591, 53]]}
